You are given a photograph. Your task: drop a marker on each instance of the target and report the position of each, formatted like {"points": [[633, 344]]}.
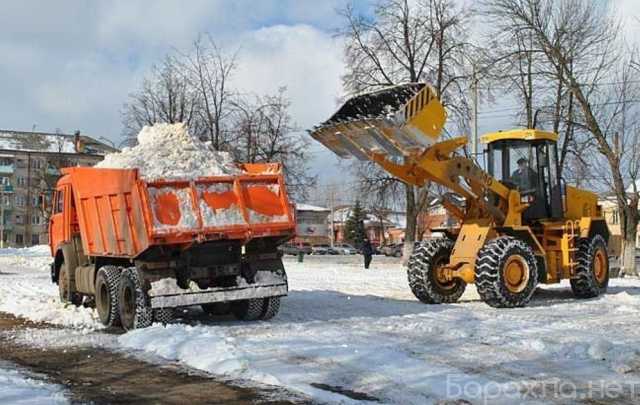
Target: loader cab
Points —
{"points": [[527, 160]]}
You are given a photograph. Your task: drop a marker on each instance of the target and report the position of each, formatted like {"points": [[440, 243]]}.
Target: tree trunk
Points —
{"points": [[410, 230], [629, 230]]}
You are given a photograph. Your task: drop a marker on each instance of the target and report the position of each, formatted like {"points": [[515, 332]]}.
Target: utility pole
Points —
{"points": [[474, 114], [331, 207]]}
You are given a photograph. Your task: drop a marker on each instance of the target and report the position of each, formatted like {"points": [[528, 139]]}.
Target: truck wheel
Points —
{"points": [[64, 289], [271, 307], [217, 308], [135, 310], [248, 310], [423, 272], [163, 315], [506, 272], [591, 273], [107, 295]]}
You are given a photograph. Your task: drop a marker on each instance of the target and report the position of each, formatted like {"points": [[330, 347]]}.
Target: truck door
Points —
{"points": [[56, 223]]}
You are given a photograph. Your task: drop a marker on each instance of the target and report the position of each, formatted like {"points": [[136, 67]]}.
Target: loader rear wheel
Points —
{"points": [[506, 272], [425, 276], [135, 309], [107, 295], [64, 287], [591, 273]]}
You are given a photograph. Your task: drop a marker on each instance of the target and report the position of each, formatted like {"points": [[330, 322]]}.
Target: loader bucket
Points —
{"points": [[395, 121]]}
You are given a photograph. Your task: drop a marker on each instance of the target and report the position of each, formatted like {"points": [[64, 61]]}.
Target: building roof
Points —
{"points": [[45, 142], [307, 207]]}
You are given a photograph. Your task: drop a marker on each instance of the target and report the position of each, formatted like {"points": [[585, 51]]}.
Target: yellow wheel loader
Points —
{"points": [[520, 225]]}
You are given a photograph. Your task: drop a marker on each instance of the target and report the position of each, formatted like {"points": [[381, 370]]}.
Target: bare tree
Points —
{"points": [[165, 96], [208, 70], [407, 42], [581, 44], [265, 132]]}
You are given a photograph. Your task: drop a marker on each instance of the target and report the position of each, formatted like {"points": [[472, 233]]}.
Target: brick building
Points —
{"points": [[30, 165]]}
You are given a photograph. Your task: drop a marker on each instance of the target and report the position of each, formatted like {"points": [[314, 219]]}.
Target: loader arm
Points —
{"points": [[397, 128]]}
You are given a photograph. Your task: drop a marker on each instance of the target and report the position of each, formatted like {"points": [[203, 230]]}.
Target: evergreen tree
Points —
{"points": [[354, 227]]}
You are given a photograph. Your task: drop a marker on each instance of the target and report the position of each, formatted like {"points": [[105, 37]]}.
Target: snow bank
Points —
{"points": [[31, 294], [19, 389], [169, 151]]}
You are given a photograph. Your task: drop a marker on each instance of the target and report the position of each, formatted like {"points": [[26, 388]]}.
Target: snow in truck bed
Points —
{"points": [[169, 151], [345, 334]]}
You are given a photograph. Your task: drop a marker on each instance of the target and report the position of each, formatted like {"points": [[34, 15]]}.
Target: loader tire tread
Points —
{"points": [[489, 270], [420, 273], [584, 284]]}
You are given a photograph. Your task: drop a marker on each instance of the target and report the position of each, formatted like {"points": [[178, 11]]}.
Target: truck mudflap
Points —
{"points": [[166, 293]]}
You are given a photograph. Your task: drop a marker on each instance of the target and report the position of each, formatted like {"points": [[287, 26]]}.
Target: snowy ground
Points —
{"points": [[18, 388], [344, 333]]}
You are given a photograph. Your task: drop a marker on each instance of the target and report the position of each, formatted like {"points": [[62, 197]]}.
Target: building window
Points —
{"points": [[34, 201], [35, 220], [21, 163], [19, 239], [36, 164], [614, 217], [6, 161], [35, 239], [21, 181], [21, 200], [19, 220]]}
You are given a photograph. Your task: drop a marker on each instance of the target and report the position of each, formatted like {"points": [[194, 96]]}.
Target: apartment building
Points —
{"points": [[30, 164]]}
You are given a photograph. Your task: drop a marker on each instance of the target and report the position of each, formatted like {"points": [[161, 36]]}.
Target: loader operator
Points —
{"points": [[524, 178]]}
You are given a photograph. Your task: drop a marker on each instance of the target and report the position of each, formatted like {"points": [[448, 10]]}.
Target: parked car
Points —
{"points": [[295, 248], [344, 249], [320, 250], [394, 249]]}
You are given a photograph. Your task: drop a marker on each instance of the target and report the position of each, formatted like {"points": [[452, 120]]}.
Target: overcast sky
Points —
{"points": [[71, 64]]}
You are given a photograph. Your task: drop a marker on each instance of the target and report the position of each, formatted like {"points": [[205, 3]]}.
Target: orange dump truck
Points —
{"points": [[142, 248]]}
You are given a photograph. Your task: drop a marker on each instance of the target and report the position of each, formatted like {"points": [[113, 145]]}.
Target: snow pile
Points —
{"points": [[32, 295], [169, 151], [17, 388]]}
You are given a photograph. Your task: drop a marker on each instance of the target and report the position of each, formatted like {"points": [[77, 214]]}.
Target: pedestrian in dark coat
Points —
{"points": [[367, 252]]}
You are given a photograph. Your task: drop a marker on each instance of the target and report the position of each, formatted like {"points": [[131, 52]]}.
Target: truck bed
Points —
{"points": [[121, 215]]}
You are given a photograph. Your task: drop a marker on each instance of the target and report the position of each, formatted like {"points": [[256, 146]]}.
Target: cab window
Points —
{"points": [[59, 202]]}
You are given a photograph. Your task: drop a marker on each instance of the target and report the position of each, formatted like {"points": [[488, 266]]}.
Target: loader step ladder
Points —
{"points": [[569, 249]]}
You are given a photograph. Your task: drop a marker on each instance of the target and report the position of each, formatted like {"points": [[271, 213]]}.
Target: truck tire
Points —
{"points": [[248, 310], [271, 308], [64, 287], [506, 272], [217, 308], [163, 315], [591, 273], [135, 309], [422, 272], [107, 295]]}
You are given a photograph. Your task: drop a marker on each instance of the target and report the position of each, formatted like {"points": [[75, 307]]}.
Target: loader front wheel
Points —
{"points": [[135, 309], [107, 295], [506, 272], [591, 276], [424, 272]]}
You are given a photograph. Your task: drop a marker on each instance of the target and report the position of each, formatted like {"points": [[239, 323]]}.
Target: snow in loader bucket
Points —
{"points": [[395, 121], [166, 293]]}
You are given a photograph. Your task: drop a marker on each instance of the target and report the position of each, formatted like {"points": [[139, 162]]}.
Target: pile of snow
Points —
{"points": [[17, 388], [31, 294], [169, 151]]}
